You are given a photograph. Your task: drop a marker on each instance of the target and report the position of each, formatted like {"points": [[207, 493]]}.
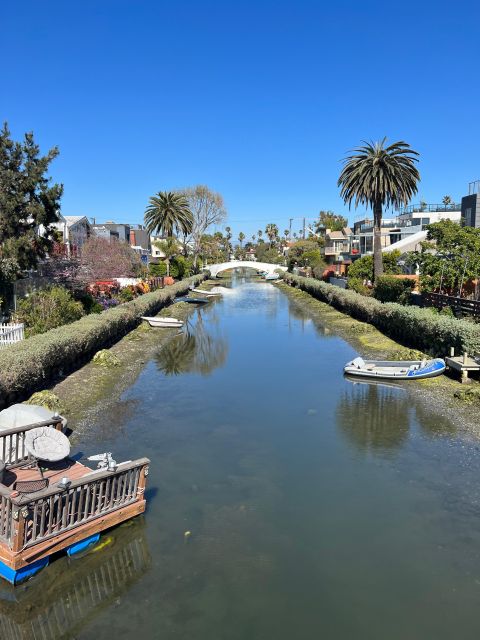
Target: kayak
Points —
{"points": [[400, 369]]}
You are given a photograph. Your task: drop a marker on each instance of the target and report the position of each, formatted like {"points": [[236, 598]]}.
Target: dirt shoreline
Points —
{"points": [[436, 394]]}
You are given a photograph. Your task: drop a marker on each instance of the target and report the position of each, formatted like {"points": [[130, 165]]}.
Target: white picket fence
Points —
{"points": [[11, 333]]}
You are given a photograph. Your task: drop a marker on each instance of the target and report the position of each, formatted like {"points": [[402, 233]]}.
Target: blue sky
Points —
{"points": [[260, 100]]}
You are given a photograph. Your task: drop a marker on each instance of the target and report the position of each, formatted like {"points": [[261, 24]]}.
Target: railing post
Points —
{"points": [[19, 515], [142, 481]]}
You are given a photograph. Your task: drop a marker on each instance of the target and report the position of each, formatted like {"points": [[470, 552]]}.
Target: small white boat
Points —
{"points": [[205, 293], [399, 369], [272, 276], [157, 321]]}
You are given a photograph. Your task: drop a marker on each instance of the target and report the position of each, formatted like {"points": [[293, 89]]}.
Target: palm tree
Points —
{"points": [[169, 247], [272, 232], [241, 238], [168, 212], [285, 233], [446, 200], [259, 234], [253, 238], [379, 176]]}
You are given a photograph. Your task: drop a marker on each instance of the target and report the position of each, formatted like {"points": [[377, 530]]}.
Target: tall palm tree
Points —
{"points": [[272, 232], [168, 212], [446, 200], [379, 176], [169, 247], [241, 238], [253, 238], [259, 234], [286, 232]]}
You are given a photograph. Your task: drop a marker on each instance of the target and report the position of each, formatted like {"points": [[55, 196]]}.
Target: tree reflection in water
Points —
{"points": [[374, 417], [195, 351]]}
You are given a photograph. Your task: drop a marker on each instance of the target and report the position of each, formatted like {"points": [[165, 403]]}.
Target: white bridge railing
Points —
{"points": [[11, 333]]}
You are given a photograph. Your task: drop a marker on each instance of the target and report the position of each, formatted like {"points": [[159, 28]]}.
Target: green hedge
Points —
{"points": [[414, 327], [392, 289], [30, 365]]}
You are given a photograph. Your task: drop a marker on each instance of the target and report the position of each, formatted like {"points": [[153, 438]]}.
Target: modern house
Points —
{"points": [[409, 222], [471, 205], [337, 249], [101, 231]]}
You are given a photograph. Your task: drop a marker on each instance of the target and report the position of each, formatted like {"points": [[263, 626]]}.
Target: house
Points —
{"points": [[470, 207], [337, 248], [410, 221], [75, 230], [102, 231]]}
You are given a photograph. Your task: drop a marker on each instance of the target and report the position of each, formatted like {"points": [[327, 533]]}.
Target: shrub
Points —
{"points": [[391, 289], [126, 294], [89, 303], [47, 309], [415, 327], [356, 284], [363, 267], [157, 270], [29, 365]]}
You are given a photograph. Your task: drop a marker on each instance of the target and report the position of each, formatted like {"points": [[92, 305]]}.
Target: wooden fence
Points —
{"points": [[11, 333], [459, 306]]}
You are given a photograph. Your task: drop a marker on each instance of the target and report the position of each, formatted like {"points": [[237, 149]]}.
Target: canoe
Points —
{"points": [[163, 322], [399, 370]]}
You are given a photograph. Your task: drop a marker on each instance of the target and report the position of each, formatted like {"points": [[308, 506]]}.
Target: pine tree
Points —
{"points": [[29, 204]]}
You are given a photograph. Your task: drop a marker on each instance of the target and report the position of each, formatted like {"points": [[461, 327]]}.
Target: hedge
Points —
{"points": [[31, 364], [412, 326]]}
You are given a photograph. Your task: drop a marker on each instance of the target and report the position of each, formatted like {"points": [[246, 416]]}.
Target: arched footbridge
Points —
{"points": [[215, 269]]}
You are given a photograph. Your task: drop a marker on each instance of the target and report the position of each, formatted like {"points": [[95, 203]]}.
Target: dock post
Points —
{"points": [[452, 352], [465, 379], [465, 356]]}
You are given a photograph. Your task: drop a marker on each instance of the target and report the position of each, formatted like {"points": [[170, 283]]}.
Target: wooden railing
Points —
{"points": [[26, 520], [54, 510], [463, 306], [11, 333], [12, 441]]}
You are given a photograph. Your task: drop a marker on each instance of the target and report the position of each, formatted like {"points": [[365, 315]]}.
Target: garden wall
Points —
{"points": [[414, 327], [32, 364]]}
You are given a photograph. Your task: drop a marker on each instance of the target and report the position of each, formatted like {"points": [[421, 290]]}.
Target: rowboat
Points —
{"points": [[163, 322], [399, 369], [272, 276], [206, 293]]}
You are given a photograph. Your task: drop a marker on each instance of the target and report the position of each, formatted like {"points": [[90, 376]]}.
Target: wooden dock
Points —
{"points": [[463, 364], [34, 526]]}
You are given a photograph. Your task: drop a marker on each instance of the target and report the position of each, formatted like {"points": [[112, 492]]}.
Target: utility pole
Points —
{"points": [[304, 228], [290, 229]]}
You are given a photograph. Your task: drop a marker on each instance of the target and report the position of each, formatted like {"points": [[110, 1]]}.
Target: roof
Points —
{"points": [[72, 220], [336, 235]]}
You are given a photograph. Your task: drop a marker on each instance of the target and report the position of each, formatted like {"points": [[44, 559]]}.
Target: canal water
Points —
{"points": [[284, 501]]}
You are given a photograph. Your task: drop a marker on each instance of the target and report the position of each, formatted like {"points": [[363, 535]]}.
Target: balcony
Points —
{"points": [[336, 249]]}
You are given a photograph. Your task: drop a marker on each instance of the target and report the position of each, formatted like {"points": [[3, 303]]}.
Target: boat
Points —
{"points": [[52, 502], [206, 293], [156, 321], [397, 369], [272, 276], [192, 300]]}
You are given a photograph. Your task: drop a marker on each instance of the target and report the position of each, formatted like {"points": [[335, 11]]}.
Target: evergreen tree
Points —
{"points": [[29, 204]]}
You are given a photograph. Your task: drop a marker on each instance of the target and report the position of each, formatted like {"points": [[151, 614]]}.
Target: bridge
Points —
{"points": [[215, 269]]}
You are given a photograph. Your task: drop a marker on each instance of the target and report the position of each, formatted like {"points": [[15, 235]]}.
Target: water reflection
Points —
{"points": [[69, 592], [374, 416], [195, 351]]}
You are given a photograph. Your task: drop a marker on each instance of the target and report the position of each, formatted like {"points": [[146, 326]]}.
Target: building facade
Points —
{"points": [[471, 205]]}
